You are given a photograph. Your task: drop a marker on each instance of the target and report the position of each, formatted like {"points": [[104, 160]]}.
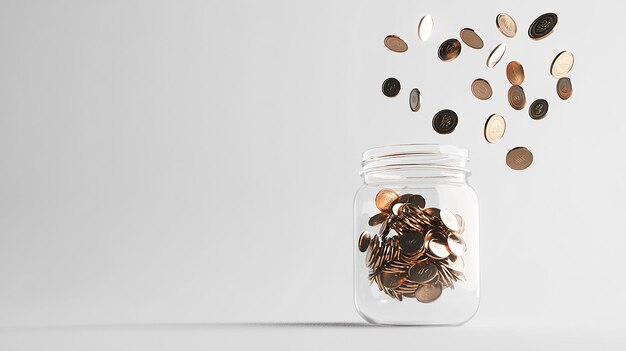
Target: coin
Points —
{"points": [[456, 245], [449, 50], [564, 88], [391, 87], [422, 272], [425, 27], [418, 200], [515, 73], [538, 109], [543, 26], [431, 211], [396, 44], [562, 64], [461, 223], [378, 219], [472, 39], [506, 25], [414, 100], [438, 247], [445, 121], [448, 219], [428, 293], [455, 263], [495, 128], [517, 98], [364, 241], [385, 198], [411, 242], [496, 55], [392, 280], [519, 158], [481, 89]]}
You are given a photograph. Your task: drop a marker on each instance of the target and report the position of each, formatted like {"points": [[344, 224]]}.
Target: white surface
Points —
{"points": [[195, 162]]}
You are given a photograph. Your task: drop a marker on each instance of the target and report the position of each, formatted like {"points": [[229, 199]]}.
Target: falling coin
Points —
{"points": [[449, 219], [456, 245], [481, 89], [496, 55], [428, 293], [517, 98], [449, 50], [445, 121], [472, 39], [422, 272], [519, 158], [495, 128], [425, 28], [391, 87], [562, 64], [396, 44], [564, 88], [414, 100], [506, 25], [538, 109], [515, 73], [543, 26], [385, 198], [364, 241]]}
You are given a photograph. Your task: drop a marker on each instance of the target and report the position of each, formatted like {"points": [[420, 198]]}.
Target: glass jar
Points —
{"points": [[416, 237]]}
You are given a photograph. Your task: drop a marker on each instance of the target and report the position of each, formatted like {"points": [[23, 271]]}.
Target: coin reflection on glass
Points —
{"points": [[472, 39], [391, 87], [364, 241], [515, 73], [519, 158], [543, 26], [481, 89], [564, 88], [562, 64], [385, 198], [496, 55], [494, 128], [422, 272], [396, 44], [449, 50], [506, 25], [428, 293], [461, 223], [538, 109], [425, 28], [517, 98], [414, 100]]}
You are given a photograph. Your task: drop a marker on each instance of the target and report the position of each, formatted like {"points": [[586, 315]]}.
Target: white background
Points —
{"points": [[193, 163]]}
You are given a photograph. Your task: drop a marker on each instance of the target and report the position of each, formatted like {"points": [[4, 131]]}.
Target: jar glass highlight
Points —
{"points": [[416, 237]]}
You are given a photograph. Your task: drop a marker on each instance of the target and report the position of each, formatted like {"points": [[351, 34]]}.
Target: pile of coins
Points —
{"points": [[446, 121], [417, 251]]}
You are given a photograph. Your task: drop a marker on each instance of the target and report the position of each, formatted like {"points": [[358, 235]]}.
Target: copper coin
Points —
{"points": [[564, 88], [496, 55], [455, 263], [515, 73], [428, 293], [449, 50], [422, 272], [445, 121], [414, 100], [378, 219], [391, 87], [543, 26], [385, 198], [481, 89], [456, 245], [411, 242], [364, 241], [517, 98], [506, 25], [396, 44], [418, 200], [562, 64], [392, 280], [495, 128], [425, 27], [538, 109], [519, 158], [472, 39], [438, 247], [432, 211], [449, 219]]}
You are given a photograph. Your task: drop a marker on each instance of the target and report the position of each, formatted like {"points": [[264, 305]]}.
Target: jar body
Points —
{"points": [[416, 247]]}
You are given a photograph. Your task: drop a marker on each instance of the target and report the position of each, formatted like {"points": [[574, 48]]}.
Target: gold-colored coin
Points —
{"points": [[519, 158], [481, 89], [385, 198], [456, 245], [425, 27], [562, 64], [496, 55], [396, 44], [564, 88], [517, 98], [428, 293], [506, 25], [495, 128], [515, 73], [472, 39], [423, 272], [364, 241], [449, 219]]}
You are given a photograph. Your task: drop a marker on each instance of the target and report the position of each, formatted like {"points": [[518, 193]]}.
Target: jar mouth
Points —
{"points": [[415, 156]]}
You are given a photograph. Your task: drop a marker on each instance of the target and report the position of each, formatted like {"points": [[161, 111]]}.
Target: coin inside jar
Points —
{"points": [[506, 25], [449, 219], [495, 128], [562, 64], [378, 219], [396, 44], [543, 26], [414, 100], [456, 245], [455, 263], [411, 242], [517, 98], [449, 50], [428, 293], [391, 87], [472, 39], [564, 88], [445, 121], [496, 55], [538, 109], [364, 241], [515, 73], [519, 158], [392, 280], [425, 27], [438, 247], [385, 198], [461, 223], [422, 272], [481, 89], [418, 200]]}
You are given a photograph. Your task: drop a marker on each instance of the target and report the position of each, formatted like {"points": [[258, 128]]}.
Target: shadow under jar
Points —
{"points": [[416, 237]]}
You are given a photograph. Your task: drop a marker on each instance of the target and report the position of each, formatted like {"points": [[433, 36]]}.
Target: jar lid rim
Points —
{"points": [[400, 150]]}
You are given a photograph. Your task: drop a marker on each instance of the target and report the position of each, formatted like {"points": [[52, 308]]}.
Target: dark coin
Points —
{"points": [[411, 242], [433, 211], [378, 219], [543, 26], [392, 280], [517, 98], [445, 121], [391, 87], [449, 49], [564, 88], [538, 109], [364, 241], [418, 200], [403, 199], [423, 272], [414, 100]]}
